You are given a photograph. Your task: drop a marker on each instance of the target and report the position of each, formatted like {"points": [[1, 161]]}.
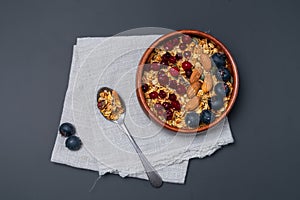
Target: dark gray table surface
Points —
{"points": [[36, 39]]}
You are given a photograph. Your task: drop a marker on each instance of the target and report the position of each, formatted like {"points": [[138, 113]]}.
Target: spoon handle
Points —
{"points": [[152, 174]]}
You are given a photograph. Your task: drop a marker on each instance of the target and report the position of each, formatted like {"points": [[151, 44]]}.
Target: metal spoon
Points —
{"points": [[152, 174]]}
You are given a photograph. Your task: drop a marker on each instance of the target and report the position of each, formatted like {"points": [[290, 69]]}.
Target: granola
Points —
{"points": [[109, 104], [187, 82]]}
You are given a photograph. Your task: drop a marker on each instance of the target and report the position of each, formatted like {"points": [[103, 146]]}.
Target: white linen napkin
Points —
{"points": [[113, 62]]}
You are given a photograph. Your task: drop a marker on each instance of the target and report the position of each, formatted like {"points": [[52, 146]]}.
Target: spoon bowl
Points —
{"points": [[116, 100]]}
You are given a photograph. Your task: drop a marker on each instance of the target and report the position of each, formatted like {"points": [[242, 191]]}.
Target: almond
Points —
{"points": [[205, 61], [193, 89], [116, 97], [193, 103], [207, 83], [195, 75]]}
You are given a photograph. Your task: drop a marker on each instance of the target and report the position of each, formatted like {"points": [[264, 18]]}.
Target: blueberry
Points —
{"points": [[226, 75], [216, 102], [219, 59], [67, 129], [207, 117], [227, 90], [223, 74], [222, 89], [192, 119], [73, 143], [219, 89]]}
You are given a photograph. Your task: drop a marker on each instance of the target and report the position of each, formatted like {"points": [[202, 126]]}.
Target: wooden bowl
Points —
{"points": [[232, 68]]}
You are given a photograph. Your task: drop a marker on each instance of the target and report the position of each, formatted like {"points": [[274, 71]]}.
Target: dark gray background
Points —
{"points": [[36, 39]]}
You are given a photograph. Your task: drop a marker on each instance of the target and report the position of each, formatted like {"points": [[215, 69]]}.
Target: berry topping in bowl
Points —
{"points": [[207, 117], [172, 97], [162, 94], [145, 87], [174, 71], [186, 65], [153, 95], [180, 89], [192, 119], [219, 59]]}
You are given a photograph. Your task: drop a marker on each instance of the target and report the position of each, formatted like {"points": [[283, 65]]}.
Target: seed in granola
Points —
{"points": [[174, 71], [145, 87], [162, 94], [186, 65], [186, 39], [153, 95], [202, 77], [181, 89]]}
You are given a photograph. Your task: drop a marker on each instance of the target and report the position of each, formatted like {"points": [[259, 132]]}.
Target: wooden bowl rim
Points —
{"points": [[140, 93]]}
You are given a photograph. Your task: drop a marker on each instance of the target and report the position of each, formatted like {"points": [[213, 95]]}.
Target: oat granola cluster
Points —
{"points": [[110, 104], [187, 82]]}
